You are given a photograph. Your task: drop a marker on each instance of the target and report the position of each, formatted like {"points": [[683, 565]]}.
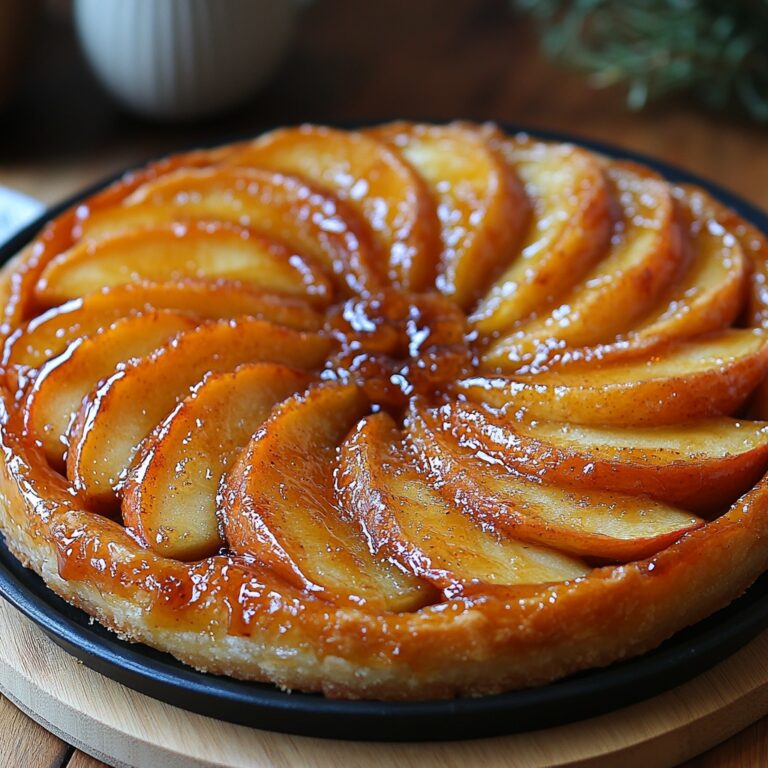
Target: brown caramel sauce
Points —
{"points": [[398, 346]]}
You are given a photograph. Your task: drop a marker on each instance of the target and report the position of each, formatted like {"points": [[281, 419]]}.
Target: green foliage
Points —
{"points": [[716, 48]]}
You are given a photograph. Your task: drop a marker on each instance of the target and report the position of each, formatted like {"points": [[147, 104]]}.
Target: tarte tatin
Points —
{"points": [[412, 412]]}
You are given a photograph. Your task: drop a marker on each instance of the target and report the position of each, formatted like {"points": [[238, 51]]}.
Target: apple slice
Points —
{"points": [[112, 423], [481, 205], [711, 293], [595, 523], [60, 233], [755, 247], [753, 243], [50, 333], [373, 180], [569, 230], [63, 382], [702, 466], [175, 251], [645, 254], [279, 504], [405, 519], [170, 497], [710, 376], [309, 220]]}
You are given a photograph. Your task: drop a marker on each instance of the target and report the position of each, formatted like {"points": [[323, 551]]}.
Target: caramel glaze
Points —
{"points": [[398, 347]]}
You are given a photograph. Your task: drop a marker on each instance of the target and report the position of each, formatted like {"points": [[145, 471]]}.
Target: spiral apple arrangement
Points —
{"points": [[416, 411]]}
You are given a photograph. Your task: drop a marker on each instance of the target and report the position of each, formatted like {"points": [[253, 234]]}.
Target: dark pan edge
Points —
{"points": [[591, 693], [263, 706]]}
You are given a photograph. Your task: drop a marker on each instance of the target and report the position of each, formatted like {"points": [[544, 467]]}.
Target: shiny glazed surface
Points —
{"points": [[412, 412]]}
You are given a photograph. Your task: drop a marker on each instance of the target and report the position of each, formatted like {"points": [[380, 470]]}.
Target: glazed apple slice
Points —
{"points": [[568, 232], [49, 334], [481, 205], [173, 252], [702, 466], [309, 220], [405, 519], [596, 523], [62, 231], [373, 180], [111, 424], [279, 504], [710, 376], [63, 382], [711, 293], [646, 253], [754, 245], [170, 496]]}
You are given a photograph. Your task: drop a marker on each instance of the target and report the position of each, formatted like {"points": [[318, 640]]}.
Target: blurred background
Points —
{"points": [[92, 86]]}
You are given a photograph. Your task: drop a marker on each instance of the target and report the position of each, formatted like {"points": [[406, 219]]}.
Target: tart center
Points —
{"points": [[399, 344]]}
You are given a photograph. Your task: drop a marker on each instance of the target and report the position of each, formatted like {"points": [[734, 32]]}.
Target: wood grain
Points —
{"points": [[105, 718], [356, 61], [81, 760], [24, 742], [749, 748]]}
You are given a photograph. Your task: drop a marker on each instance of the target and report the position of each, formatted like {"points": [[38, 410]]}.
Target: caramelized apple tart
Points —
{"points": [[412, 412]]}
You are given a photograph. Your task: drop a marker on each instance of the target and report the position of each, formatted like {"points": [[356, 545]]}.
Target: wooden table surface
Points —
{"points": [[361, 61]]}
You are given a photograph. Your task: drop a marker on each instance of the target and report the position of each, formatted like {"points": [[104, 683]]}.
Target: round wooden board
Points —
{"points": [[125, 728]]}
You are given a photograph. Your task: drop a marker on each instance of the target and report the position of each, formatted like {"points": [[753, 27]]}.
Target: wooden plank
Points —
{"points": [[81, 760], [24, 743], [747, 750]]}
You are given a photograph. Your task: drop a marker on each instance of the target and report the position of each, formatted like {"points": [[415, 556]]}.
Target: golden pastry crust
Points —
{"points": [[324, 568]]}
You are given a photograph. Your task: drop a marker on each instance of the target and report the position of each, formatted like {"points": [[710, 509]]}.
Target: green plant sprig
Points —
{"points": [[717, 49]]}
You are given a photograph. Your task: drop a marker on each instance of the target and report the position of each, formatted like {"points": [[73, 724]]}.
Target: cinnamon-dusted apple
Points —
{"points": [[707, 296], [645, 255], [310, 220], [710, 293], [700, 465], [373, 180], [430, 536], [170, 496], [480, 201], [57, 392], [569, 230], [113, 421], [597, 523], [709, 376], [280, 503], [65, 230]]}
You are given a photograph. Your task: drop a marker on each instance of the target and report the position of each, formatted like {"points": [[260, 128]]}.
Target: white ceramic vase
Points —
{"points": [[177, 59]]}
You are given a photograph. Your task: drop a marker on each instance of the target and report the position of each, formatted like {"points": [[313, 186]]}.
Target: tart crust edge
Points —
{"points": [[521, 637]]}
